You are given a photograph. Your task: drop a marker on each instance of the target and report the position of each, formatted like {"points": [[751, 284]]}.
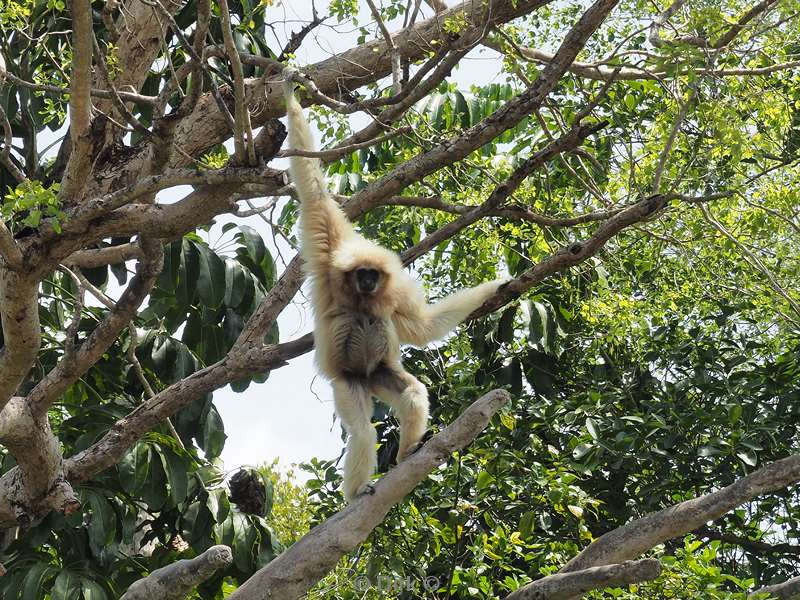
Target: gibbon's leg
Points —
{"points": [[354, 407], [409, 400]]}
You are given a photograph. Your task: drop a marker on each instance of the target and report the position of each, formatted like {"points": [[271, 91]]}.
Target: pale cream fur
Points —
{"points": [[331, 249]]}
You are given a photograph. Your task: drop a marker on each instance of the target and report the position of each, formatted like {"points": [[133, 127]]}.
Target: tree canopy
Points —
{"points": [[620, 420]]}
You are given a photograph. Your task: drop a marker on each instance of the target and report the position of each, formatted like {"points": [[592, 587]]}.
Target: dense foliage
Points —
{"points": [[666, 368]]}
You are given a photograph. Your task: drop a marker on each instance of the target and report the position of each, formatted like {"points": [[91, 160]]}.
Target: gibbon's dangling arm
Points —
{"points": [[419, 323], [323, 224]]}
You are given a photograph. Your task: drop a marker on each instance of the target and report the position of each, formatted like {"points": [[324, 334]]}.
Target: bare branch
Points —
{"points": [[683, 107], [562, 586], [299, 567], [97, 93], [341, 150], [208, 126], [156, 183], [638, 536], [575, 253], [297, 37], [177, 580], [734, 30], [243, 132], [508, 211], [80, 102], [788, 590], [110, 255], [397, 74], [600, 72], [119, 104], [570, 140]]}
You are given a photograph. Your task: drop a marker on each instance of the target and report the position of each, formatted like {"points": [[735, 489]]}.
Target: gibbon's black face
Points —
{"points": [[368, 280]]}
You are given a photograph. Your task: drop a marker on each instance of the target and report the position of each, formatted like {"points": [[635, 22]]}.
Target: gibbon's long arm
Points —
{"points": [[323, 224], [419, 323]]}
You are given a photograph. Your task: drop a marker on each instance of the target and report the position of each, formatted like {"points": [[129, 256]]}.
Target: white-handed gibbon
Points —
{"points": [[365, 305]]}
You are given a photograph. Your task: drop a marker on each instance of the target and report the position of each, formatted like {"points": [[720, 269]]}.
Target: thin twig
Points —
{"points": [[396, 67], [761, 267], [242, 131], [339, 151]]}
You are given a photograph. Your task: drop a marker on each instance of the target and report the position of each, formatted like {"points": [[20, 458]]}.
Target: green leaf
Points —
{"points": [[34, 583], [484, 480], [102, 523], [211, 277], [527, 524], [177, 475], [734, 414], [591, 427], [133, 468], [213, 434], [235, 282], [154, 492], [66, 587], [749, 458], [92, 590], [252, 242], [582, 450]]}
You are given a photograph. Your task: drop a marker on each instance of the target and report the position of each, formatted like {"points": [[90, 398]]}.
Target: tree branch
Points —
{"points": [[458, 147], [71, 368], [177, 580], [19, 315], [640, 535], [788, 590], [243, 133], [80, 102], [98, 257], [37, 484], [303, 564], [563, 586], [568, 141]]}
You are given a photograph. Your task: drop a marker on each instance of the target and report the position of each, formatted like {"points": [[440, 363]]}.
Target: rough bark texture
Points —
{"points": [[631, 540], [562, 586], [177, 580]]}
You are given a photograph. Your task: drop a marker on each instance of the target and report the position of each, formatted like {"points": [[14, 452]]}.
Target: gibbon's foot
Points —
{"points": [[416, 447], [366, 490]]}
